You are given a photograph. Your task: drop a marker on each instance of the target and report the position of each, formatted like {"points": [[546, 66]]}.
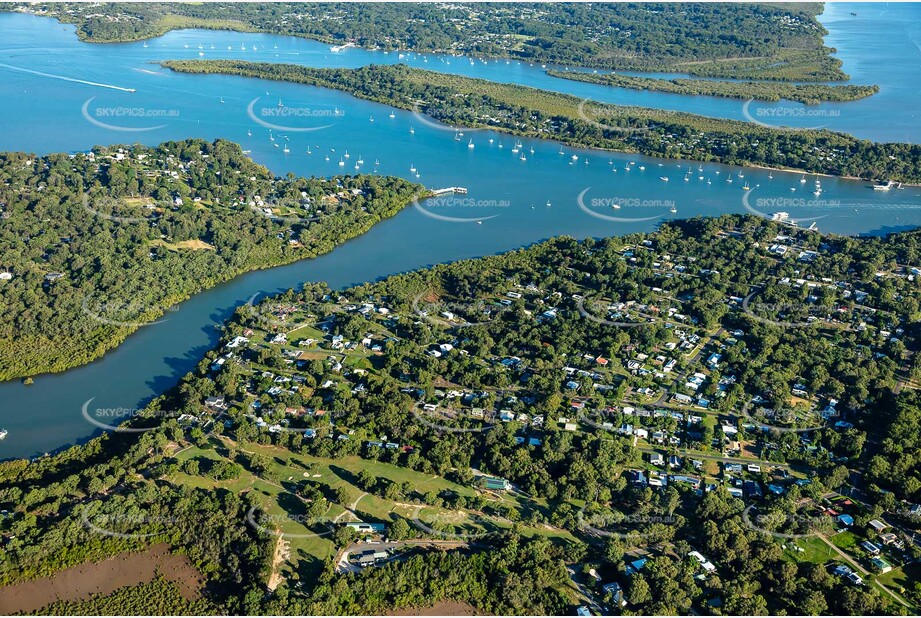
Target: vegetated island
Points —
{"points": [[530, 112], [740, 41], [809, 94], [95, 245], [612, 407]]}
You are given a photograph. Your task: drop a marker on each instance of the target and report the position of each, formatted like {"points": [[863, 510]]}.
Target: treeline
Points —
{"points": [[529, 112], [761, 41], [98, 244], [809, 94]]}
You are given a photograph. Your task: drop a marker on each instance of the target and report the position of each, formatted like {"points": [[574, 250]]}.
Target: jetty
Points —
{"points": [[447, 190]]}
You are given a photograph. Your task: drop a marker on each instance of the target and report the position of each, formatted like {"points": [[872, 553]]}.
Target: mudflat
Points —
{"points": [[101, 578]]}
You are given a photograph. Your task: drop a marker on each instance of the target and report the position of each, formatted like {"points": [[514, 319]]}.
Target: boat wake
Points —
{"points": [[66, 79]]}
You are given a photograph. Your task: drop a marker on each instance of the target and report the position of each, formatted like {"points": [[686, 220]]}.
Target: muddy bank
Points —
{"points": [[442, 608], [101, 578]]}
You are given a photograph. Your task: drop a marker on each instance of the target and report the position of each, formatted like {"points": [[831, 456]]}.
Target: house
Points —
{"points": [[361, 526], [657, 459], [583, 611], [877, 525], [870, 548], [215, 403], [704, 563], [881, 564], [494, 483], [617, 593], [846, 520], [636, 566]]}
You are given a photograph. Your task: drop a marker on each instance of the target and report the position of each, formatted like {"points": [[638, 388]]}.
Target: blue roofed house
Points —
{"points": [[846, 520], [636, 566]]}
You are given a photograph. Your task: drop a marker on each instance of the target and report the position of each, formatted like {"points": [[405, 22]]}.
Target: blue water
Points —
{"points": [[510, 197]]}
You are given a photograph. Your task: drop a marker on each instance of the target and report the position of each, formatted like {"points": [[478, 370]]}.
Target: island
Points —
{"points": [[97, 244], [782, 42], [809, 94], [530, 112], [659, 423]]}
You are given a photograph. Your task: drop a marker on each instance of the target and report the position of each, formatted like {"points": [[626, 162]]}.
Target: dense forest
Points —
{"points": [[524, 111], [753, 41], [761, 91], [97, 244]]}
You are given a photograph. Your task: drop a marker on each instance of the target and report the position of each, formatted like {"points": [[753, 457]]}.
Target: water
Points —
{"points": [[44, 113]]}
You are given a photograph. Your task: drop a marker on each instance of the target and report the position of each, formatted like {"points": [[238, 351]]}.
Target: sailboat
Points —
{"points": [[222, 99], [392, 115], [411, 130], [371, 119], [341, 162], [249, 132], [803, 179], [672, 209], [346, 154], [360, 161], [286, 150], [412, 168], [280, 104], [470, 143]]}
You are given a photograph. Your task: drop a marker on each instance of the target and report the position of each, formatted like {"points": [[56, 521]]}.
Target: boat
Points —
{"points": [[412, 168], [523, 158], [327, 157], [222, 99], [548, 203], [309, 151], [780, 216], [491, 140], [286, 150], [884, 186], [249, 132], [145, 44], [392, 115], [771, 176], [663, 178], [745, 187], [642, 168], [561, 150], [377, 161], [575, 157], [3, 433], [346, 154], [470, 144], [803, 179], [371, 119], [672, 209], [411, 130], [280, 104], [360, 160], [341, 163], [615, 206]]}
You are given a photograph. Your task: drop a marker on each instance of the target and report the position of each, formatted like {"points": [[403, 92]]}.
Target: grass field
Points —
{"points": [[309, 549]]}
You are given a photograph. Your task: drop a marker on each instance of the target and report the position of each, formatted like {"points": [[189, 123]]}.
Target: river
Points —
{"points": [[53, 87]]}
